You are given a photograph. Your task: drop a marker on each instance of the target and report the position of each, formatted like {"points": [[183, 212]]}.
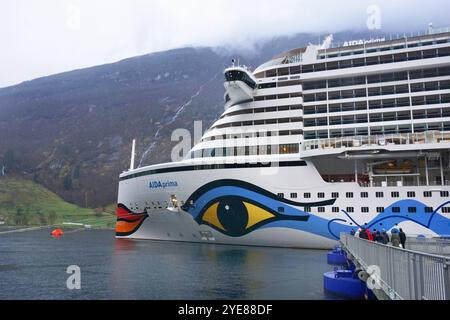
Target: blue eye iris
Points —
{"points": [[233, 215]]}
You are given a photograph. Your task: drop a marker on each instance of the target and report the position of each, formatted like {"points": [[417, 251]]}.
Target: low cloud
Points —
{"points": [[49, 36]]}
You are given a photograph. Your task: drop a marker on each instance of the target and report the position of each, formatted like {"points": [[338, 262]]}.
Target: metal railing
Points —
{"points": [[377, 140], [403, 274], [438, 246], [393, 37], [412, 183]]}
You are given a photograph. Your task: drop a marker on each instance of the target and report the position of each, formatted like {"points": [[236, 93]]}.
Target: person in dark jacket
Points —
{"points": [[379, 237], [402, 236], [352, 232], [385, 237], [374, 235], [363, 234]]}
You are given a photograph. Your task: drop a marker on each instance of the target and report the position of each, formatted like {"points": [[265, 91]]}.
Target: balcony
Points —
{"points": [[377, 140]]}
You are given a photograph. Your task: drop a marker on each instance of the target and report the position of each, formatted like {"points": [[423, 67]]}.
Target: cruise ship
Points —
{"points": [[318, 141]]}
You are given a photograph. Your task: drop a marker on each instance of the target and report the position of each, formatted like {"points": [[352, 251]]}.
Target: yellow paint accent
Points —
{"points": [[256, 214], [210, 216]]}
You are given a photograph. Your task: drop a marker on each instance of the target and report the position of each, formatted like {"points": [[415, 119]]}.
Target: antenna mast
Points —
{"points": [[133, 154]]}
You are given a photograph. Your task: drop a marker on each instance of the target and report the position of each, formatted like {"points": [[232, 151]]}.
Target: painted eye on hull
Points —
{"points": [[236, 216]]}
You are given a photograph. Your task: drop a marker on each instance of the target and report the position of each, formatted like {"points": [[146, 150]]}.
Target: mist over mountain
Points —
{"points": [[72, 132]]}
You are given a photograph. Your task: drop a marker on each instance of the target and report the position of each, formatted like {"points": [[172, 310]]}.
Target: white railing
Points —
{"points": [[438, 246], [403, 274], [377, 140], [412, 183], [402, 36]]}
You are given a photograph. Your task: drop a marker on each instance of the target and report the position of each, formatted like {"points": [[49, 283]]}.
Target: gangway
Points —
{"points": [[399, 274]]}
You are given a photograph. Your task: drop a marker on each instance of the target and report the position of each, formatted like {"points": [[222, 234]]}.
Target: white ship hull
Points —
{"points": [[161, 220]]}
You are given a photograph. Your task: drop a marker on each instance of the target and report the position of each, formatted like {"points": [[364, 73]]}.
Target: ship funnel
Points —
{"points": [[133, 154], [327, 42]]}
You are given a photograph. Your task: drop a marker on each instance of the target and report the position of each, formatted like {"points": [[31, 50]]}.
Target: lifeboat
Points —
{"points": [[393, 168], [57, 233]]}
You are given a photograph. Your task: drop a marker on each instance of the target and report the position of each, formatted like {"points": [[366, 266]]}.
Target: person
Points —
{"points": [[384, 237], [363, 234], [379, 237], [352, 232], [374, 235], [357, 232], [369, 235], [395, 228], [402, 236], [395, 238]]}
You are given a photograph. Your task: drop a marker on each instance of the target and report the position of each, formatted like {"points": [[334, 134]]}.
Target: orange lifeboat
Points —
{"points": [[57, 233]]}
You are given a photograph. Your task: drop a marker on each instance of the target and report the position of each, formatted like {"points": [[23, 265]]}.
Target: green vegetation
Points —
{"points": [[24, 202]]}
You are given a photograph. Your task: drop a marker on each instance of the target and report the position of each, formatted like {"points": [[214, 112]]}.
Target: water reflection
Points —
{"points": [[33, 266], [124, 245], [201, 271]]}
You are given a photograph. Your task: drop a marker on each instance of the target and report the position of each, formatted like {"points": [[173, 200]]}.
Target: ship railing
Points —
{"points": [[377, 140], [401, 36], [396, 181], [400, 183], [401, 274]]}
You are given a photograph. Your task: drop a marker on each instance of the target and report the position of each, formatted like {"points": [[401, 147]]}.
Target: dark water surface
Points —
{"points": [[33, 266]]}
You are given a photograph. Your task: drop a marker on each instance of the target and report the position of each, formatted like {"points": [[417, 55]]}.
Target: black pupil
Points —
{"points": [[233, 215]]}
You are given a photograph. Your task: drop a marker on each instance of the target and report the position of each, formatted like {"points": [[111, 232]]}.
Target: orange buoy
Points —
{"points": [[57, 233]]}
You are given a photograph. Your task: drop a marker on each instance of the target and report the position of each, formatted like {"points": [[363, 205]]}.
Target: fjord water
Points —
{"points": [[33, 266]]}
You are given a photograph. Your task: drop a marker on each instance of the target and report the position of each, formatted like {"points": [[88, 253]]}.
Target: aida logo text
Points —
{"points": [[162, 184]]}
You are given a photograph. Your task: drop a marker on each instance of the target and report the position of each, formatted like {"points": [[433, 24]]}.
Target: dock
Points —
{"points": [[419, 272]]}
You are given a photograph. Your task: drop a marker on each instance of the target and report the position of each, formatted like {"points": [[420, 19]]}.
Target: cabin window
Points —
{"points": [[289, 148]]}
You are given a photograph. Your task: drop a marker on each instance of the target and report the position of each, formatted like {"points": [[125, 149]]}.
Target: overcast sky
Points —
{"points": [[43, 37]]}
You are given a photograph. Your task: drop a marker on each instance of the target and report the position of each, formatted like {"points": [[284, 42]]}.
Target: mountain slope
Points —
{"points": [[72, 131], [25, 202]]}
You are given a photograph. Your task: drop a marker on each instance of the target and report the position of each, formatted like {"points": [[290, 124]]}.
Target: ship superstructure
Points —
{"points": [[315, 142]]}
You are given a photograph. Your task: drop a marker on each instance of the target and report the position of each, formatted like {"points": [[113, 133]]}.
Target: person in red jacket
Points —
{"points": [[369, 235]]}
